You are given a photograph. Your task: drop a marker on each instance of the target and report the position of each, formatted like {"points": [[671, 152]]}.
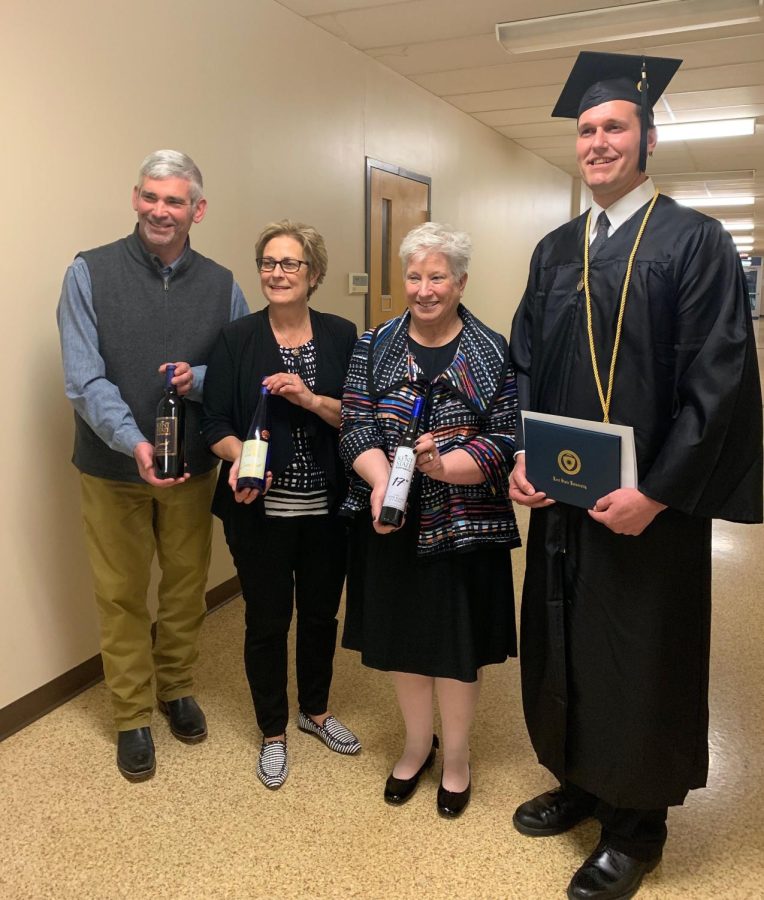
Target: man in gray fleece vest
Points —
{"points": [[127, 310]]}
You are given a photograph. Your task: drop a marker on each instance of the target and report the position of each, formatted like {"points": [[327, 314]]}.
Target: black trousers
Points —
{"points": [[290, 562], [639, 833]]}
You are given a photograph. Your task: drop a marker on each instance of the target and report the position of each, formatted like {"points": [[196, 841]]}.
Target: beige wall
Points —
{"points": [[279, 115]]}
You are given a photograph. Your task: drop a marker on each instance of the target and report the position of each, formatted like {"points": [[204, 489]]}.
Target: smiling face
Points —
{"points": [[165, 215], [432, 292], [281, 287], [607, 150]]}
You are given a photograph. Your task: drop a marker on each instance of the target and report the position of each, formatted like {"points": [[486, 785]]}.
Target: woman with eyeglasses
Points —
{"points": [[287, 542]]}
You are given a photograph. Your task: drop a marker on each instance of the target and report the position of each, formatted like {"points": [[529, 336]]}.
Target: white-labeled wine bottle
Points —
{"points": [[253, 462], [170, 431], [402, 471]]}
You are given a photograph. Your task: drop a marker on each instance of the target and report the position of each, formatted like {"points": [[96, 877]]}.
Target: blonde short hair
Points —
{"points": [[310, 240]]}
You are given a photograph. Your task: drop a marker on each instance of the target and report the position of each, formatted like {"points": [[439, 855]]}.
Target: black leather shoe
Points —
{"points": [[398, 790], [187, 720], [453, 803], [135, 754], [552, 813], [609, 874]]}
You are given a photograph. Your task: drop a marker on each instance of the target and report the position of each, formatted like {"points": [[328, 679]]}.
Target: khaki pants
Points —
{"points": [[125, 524]]}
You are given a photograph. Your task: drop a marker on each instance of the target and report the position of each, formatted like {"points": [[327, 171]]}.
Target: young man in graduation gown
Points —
{"points": [[617, 599]]}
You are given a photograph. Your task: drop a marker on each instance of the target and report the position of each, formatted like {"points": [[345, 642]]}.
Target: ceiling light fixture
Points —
{"points": [[732, 225], [619, 23], [714, 201], [694, 131], [741, 241]]}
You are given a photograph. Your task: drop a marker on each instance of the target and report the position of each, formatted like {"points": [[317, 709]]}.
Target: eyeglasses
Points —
{"points": [[288, 265]]}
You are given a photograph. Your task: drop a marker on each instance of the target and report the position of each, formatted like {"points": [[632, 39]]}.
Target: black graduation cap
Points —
{"points": [[600, 77]]}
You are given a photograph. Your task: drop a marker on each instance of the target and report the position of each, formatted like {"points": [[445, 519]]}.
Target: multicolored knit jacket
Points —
{"points": [[472, 405]]}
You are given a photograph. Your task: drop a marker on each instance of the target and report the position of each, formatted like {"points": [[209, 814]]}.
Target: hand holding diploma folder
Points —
{"points": [[577, 461]]}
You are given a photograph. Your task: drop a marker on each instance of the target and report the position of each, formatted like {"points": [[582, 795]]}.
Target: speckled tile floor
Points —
{"points": [[204, 827]]}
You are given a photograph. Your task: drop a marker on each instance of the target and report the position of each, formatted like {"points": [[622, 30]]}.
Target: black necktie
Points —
{"points": [[603, 223]]}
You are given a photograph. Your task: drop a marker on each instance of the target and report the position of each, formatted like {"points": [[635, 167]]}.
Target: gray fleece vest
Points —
{"points": [[144, 321]]}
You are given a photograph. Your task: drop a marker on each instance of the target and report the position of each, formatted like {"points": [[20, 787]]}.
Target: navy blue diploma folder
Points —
{"points": [[572, 465]]}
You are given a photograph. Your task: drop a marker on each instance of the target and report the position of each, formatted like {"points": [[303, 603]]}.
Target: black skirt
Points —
{"points": [[444, 616]]}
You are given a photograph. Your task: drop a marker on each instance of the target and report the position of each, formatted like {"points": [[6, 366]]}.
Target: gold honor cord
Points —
{"points": [[605, 401]]}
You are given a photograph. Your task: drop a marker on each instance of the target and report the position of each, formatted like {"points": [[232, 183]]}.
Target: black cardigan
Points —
{"points": [[246, 352]]}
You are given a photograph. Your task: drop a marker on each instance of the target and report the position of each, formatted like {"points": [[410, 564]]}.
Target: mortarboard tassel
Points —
{"points": [[644, 117]]}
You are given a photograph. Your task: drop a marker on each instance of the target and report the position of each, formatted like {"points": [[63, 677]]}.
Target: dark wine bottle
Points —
{"points": [[170, 432], [402, 471], [253, 462]]}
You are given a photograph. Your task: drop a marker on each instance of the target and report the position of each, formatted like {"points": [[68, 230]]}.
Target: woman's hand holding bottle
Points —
{"points": [[247, 494]]}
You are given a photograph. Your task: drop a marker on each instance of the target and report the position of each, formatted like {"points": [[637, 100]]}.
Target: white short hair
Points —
{"points": [[431, 237]]}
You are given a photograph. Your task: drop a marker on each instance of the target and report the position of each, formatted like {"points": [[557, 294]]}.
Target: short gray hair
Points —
{"points": [[173, 164], [431, 237]]}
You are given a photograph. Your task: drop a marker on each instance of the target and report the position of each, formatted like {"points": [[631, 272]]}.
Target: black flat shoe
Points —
{"points": [[453, 803], [552, 813], [398, 790], [135, 754], [609, 874], [187, 721]]}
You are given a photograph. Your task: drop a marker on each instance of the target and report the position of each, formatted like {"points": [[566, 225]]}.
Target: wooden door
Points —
{"points": [[396, 202]]}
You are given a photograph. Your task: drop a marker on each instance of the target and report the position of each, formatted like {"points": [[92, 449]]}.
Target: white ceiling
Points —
{"points": [[450, 49]]}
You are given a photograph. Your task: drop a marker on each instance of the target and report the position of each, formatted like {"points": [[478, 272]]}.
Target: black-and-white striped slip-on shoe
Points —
{"points": [[272, 764], [333, 733]]}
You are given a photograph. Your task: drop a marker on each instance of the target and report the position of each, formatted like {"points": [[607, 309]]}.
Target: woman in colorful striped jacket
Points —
{"points": [[432, 601]]}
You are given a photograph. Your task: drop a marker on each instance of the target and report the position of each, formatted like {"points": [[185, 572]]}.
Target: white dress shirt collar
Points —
{"points": [[622, 210]]}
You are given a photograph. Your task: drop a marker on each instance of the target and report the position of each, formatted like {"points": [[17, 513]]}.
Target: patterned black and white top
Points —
{"points": [[300, 490], [470, 405]]}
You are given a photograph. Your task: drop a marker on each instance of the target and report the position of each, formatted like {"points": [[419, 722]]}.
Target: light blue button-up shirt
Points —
{"points": [[93, 396]]}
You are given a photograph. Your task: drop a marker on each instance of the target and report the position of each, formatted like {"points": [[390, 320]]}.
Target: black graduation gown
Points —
{"points": [[615, 630]]}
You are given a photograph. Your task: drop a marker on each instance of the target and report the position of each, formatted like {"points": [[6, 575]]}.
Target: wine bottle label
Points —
{"points": [[253, 457], [166, 436], [401, 474]]}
